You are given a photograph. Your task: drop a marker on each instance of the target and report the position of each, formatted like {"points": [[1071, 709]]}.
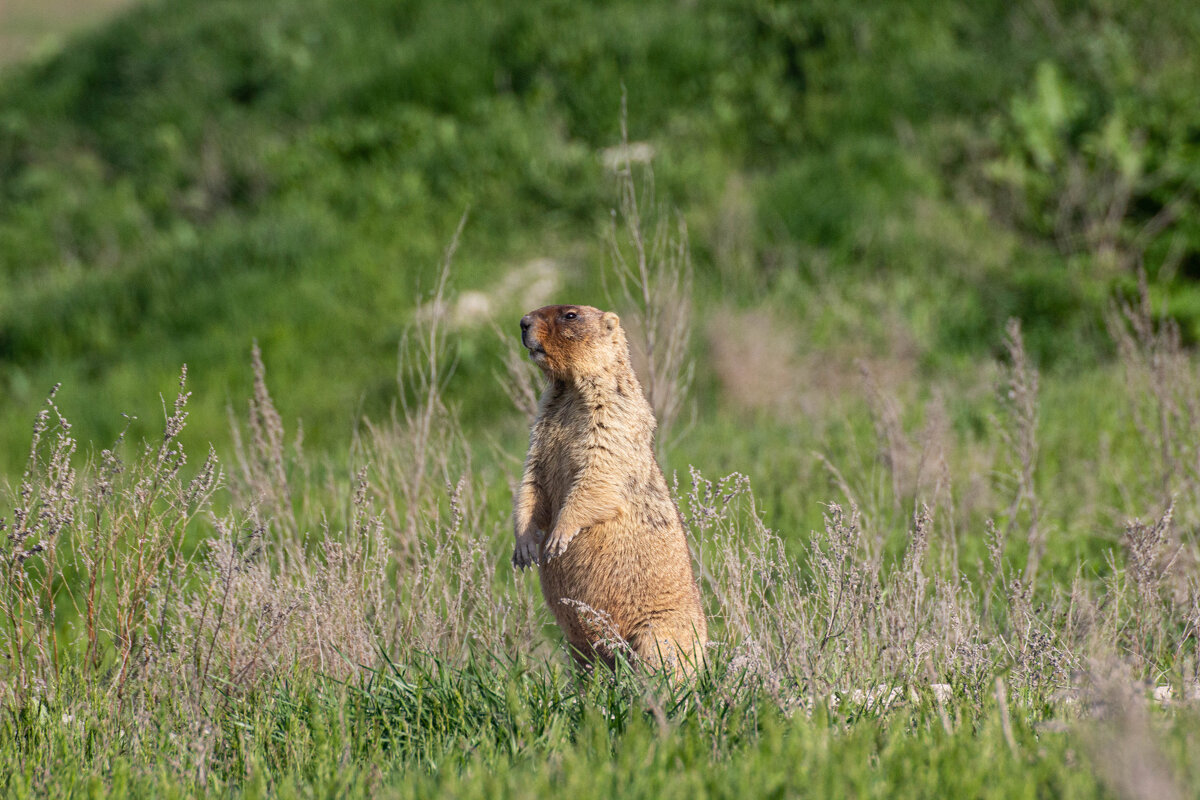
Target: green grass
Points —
{"points": [[525, 730]]}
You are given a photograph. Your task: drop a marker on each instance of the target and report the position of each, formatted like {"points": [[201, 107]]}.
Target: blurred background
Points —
{"points": [[867, 187]]}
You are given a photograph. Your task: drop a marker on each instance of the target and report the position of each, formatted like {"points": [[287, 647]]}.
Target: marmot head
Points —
{"points": [[573, 341]]}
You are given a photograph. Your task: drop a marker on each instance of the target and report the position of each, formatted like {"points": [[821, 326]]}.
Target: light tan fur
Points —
{"points": [[593, 510]]}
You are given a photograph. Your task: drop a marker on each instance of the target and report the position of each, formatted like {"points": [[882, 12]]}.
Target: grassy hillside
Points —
{"points": [[199, 175], [939, 272]]}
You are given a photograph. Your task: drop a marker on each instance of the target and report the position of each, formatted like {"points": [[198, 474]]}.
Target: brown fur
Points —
{"points": [[593, 510]]}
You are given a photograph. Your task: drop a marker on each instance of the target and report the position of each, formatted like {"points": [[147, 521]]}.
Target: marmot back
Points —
{"points": [[593, 510]]}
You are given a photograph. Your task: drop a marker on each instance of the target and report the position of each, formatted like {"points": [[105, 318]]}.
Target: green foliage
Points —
{"points": [[194, 176]]}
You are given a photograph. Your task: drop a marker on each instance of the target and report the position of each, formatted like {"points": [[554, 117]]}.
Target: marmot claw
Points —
{"points": [[525, 555]]}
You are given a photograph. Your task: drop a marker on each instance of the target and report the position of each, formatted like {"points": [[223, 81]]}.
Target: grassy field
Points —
{"points": [[920, 303]]}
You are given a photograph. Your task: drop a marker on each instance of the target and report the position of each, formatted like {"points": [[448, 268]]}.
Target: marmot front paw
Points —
{"points": [[557, 544], [525, 554]]}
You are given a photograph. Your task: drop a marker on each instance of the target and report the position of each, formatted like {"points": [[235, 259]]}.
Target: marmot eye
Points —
{"points": [[570, 315]]}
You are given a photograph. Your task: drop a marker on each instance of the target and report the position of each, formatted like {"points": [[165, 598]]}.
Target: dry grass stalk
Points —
{"points": [[263, 466], [1163, 389], [651, 264], [415, 453], [125, 528], [45, 508], [1018, 432], [894, 449]]}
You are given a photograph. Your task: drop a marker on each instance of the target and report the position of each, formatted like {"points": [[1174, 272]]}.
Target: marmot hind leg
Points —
{"points": [[669, 647]]}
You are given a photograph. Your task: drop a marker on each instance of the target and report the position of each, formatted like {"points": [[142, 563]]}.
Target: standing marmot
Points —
{"points": [[593, 510]]}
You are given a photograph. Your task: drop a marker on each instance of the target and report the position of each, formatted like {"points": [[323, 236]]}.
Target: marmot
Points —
{"points": [[593, 510]]}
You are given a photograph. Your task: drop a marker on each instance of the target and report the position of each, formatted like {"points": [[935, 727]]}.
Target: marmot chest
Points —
{"points": [[563, 453], [573, 432]]}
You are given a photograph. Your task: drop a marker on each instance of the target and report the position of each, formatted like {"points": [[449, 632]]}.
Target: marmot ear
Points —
{"points": [[611, 320]]}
